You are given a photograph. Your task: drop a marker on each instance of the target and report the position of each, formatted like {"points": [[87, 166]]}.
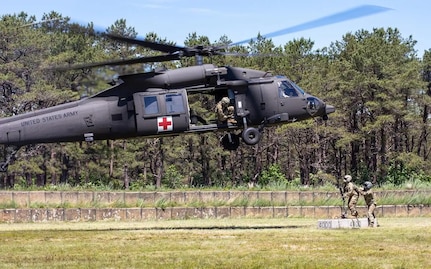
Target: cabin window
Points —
{"points": [[151, 105], [175, 104]]}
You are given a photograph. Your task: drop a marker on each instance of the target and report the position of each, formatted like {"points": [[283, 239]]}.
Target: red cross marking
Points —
{"points": [[165, 123]]}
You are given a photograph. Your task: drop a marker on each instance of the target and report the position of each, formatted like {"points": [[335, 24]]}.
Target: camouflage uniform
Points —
{"points": [[371, 203], [351, 192], [224, 111]]}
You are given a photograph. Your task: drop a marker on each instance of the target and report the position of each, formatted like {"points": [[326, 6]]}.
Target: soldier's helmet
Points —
{"points": [[225, 100], [368, 185], [347, 178]]}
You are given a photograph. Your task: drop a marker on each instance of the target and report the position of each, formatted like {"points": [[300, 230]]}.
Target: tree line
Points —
{"points": [[379, 85]]}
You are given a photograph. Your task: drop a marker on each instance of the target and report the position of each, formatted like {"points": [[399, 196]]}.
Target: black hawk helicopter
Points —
{"points": [[156, 103]]}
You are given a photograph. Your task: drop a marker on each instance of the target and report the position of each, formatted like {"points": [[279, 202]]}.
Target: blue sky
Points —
{"points": [[238, 19]]}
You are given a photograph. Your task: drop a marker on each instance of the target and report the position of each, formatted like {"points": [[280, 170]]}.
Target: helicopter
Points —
{"points": [[156, 103]]}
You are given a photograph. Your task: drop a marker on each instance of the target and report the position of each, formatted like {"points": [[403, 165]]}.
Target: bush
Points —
{"points": [[272, 175]]}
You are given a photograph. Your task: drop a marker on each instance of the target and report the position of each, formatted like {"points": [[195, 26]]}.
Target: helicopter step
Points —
{"points": [[229, 141], [211, 127]]}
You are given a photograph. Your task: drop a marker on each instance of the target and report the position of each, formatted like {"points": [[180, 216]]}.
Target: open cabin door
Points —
{"points": [[160, 111]]}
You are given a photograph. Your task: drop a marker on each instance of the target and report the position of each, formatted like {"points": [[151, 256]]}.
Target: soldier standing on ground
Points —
{"points": [[371, 203], [351, 192]]}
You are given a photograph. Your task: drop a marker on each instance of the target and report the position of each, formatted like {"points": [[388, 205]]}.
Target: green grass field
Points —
{"points": [[216, 243]]}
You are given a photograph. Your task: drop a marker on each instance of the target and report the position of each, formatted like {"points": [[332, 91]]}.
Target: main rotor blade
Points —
{"points": [[350, 14], [149, 59], [41, 22], [147, 44]]}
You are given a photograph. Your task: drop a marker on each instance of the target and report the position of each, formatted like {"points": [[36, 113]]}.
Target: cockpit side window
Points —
{"points": [[286, 89]]}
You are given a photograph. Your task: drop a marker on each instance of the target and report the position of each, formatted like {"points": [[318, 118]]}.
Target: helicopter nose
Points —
{"points": [[329, 109]]}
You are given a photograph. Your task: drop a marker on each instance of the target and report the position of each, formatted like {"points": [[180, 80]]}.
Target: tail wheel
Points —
{"points": [[251, 136]]}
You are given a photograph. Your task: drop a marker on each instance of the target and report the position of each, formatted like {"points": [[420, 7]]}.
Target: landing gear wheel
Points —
{"points": [[230, 141], [251, 136]]}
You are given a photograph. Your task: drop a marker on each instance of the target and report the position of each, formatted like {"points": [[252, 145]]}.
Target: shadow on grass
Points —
{"points": [[215, 227]]}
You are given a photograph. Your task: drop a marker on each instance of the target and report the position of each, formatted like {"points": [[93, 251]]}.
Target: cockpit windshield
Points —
{"points": [[288, 89], [298, 88]]}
